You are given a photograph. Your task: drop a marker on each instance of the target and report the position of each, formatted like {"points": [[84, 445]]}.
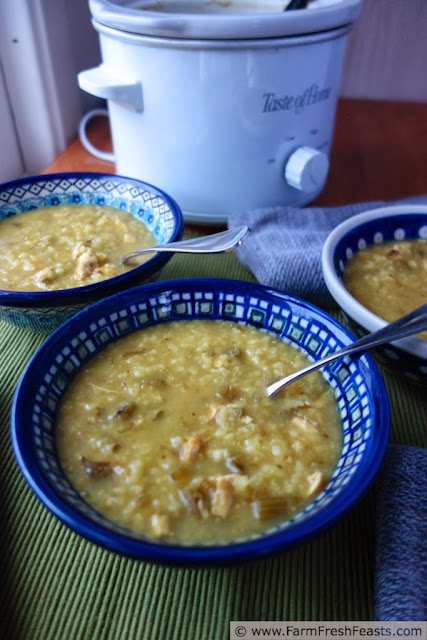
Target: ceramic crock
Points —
{"points": [[226, 108]]}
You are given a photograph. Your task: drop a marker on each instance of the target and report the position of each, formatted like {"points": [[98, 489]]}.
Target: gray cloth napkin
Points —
{"points": [[401, 553], [284, 247]]}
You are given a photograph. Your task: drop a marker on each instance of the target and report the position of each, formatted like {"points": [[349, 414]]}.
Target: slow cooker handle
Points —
{"points": [[103, 155], [101, 82]]}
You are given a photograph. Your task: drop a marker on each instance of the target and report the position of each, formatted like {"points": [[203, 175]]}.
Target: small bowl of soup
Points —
{"points": [[62, 237], [375, 267], [144, 424]]}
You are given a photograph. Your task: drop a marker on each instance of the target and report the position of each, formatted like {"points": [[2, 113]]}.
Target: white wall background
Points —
{"points": [[386, 56], [45, 43]]}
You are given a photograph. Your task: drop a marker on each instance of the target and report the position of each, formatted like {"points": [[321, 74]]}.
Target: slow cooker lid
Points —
{"points": [[222, 19]]}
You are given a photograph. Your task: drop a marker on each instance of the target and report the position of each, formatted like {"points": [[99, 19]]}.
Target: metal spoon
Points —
{"points": [[411, 323], [214, 243]]}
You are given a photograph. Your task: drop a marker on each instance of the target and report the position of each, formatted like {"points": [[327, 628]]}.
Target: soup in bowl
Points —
{"points": [[375, 267], [62, 237], [143, 422]]}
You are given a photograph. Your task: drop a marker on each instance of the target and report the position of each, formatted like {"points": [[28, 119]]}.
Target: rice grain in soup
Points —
{"points": [[169, 431], [67, 246]]}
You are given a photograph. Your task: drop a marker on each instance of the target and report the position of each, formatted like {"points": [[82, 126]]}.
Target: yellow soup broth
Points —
{"points": [[67, 246], [389, 278], [169, 431]]}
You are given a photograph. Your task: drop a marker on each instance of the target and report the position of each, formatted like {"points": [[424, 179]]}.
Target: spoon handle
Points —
{"points": [[407, 325], [213, 243]]}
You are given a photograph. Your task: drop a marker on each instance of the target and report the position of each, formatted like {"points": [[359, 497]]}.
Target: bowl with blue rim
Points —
{"points": [[391, 224], [356, 385], [44, 310]]}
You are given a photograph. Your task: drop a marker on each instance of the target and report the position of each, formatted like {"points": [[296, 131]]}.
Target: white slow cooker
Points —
{"points": [[226, 106]]}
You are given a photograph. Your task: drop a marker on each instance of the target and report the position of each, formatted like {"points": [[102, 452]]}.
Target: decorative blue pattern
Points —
{"points": [[379, 230], [358, 389], [152, 210], [43, 311]]}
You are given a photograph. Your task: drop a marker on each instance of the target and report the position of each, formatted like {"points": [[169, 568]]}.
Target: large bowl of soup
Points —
{"points": [[375, 267], [62, 236], [143, 422]]}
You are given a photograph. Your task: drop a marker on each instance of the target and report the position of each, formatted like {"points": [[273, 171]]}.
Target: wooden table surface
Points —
{"points": [[379, 152]]}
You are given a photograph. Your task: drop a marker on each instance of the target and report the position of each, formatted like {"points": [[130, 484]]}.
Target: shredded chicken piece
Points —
{"points": [[87, 262], [43, 278], [195, 501], [222, 499], [188, 500], [159, 524], [229, 478], [102, 259], [80, 248], [301, 422], [191, 448], [315, 481]]}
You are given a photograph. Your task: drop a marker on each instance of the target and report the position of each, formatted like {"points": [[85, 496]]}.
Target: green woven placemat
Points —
{"points": [[57, 586]]}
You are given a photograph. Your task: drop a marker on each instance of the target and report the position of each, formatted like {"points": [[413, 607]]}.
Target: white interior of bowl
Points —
{"points": [[346, 301]]}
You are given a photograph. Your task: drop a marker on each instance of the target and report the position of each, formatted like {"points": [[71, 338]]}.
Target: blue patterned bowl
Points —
{"points": [[43, 311], [408, 356], [357, 384]]}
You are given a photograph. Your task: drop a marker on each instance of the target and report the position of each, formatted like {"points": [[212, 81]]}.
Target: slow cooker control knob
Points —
{"points": [[306, 169]]}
